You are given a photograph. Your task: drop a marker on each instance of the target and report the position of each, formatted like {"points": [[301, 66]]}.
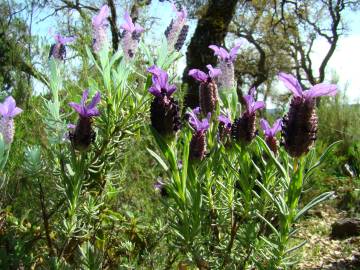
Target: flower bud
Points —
{"points": [[83, 135]]}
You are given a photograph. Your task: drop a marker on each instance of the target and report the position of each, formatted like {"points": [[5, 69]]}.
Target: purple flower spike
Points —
{"points": [[84, 110], [199, 126], [8, 109], [299, 125], [198, 140], [99, 24], [251, 105], [160, 86], [58, 50], [317, 90], [270, 131], [177, 31], [130, 36]]}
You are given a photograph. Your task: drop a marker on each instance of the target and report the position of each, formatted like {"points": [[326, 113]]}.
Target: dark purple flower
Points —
{"points": [[270, 133], [198, 140], [223, 54], [160, 86], [100, 24], [244, 129], [225, 120], [165, 112], [83, 135], [299, 125], [58, 50], [87, 110], [8, 111], [224, 128], [208, 94]]}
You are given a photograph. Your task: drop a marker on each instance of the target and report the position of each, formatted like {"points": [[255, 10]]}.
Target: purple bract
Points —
{"points": [[100, 20], [8, 108], [85, 110], [160, 80], [318, 90], [270, 131], [202, 76], [223, 54], [251, 105], [198, 125], [129, 26]]}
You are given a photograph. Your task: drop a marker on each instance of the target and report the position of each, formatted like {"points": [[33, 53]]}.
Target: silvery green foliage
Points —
{"points": [[33, 163]]}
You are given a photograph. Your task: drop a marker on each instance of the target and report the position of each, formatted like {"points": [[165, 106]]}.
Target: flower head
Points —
{"points": [[318, 90], [223, 54], [251, 105], [197, 124], [160, 79], [85, 110], [202, 76], [99, 24], [270, 131], [130, 36], [224, 120], [8, 108]]}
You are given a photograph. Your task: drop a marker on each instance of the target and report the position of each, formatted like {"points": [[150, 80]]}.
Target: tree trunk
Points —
{"points": [[211, 29]]}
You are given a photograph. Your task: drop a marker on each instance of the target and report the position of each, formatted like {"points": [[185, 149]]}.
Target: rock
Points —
{"points": [[345, 228]]}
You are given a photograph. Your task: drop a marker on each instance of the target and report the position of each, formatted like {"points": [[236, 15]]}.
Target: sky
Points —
{"points": [[345, 60]]}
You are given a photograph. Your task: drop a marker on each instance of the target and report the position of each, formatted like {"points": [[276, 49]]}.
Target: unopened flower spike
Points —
{"points": [[224, 127], [176, 32], [83, 135], [165, 112], [208, 95], [58, 49], [244, 129], [270, 133], [198, 140], [130, 36], [226, 64], [299, 125], [99, 25], [8, 111]]}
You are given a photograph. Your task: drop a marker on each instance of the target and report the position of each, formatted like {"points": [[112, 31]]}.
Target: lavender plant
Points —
{"points": [[234, 202], [231, 200]]}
